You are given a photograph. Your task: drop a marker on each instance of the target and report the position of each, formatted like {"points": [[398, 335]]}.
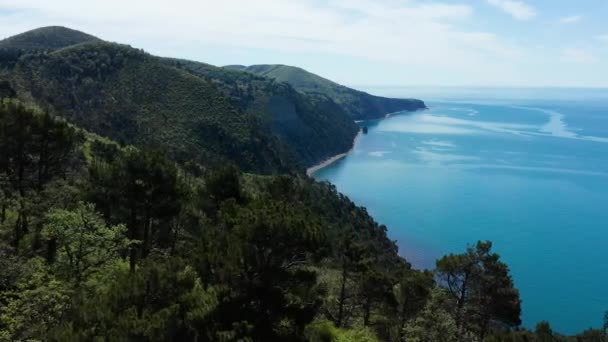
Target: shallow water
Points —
{"points": [[527, 170]]}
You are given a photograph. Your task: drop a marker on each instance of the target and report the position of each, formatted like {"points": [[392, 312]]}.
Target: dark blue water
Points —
{"points": [[527, 170]]}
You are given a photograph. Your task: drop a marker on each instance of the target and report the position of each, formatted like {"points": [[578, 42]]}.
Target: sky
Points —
{"points": [[514, 43]]}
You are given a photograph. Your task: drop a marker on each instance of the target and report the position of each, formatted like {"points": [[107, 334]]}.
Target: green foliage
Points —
{"points": [[592, 335], [215, 114], [325, 331], [251, 246], [134, 98], [313, 126], [482, 288], [85, 243], [544, 333], [45, 38], [321, 331], [36, 149], [358, 334], [176, 243], [141, 188], [434, 323], [229, 256], [222, 185], [411, 294], [357, 104], [36, 146], [36, 41], [164, 300], [34, 304], [193, 111], [264, 252]]}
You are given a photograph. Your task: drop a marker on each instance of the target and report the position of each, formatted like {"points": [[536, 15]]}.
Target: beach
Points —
{"points": [[311, 170]]}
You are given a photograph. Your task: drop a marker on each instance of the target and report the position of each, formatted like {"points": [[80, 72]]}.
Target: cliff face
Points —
{"points": [[357, 104]]}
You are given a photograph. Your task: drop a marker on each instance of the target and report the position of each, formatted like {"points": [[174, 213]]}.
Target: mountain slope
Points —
{"points": [[197, 112], [313, 125], [40, 40], [135, 98], [167, 255], [359, 105]]}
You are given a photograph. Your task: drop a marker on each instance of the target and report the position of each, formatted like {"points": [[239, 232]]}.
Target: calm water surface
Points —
{"points": [[524, 168]]}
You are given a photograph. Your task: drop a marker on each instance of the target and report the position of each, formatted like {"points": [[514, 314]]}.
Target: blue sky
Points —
{"points": [[356, 42]]}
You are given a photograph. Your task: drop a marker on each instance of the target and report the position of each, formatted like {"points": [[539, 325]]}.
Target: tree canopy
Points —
{"points": [[139, 219]]}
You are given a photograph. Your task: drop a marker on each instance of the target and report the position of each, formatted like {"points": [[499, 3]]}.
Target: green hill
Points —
{"points": [[194, 111], [313, 125], [135, 98], [105, 241], [46, 38], [359, 105], [116, 243], [160, 254], [38, 40]]}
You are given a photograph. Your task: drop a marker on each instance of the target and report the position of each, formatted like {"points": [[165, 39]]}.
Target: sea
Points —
{"points": [[524, 168]]}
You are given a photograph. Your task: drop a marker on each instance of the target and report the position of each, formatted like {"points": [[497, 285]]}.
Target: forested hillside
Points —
{"points": [[104, 241], [132, 208], [359, 105], [194, 111], [38, 40], [134, 98], [313, 125], [46, 39]]}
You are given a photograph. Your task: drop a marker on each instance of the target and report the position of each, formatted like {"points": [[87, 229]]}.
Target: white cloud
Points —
{"points": [[602, 37], [571, 19], [401, 32], [517, 9], [370, 42], [576, 55]]}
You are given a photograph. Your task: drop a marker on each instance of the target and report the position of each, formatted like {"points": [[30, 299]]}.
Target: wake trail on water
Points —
{"points": [[557, 126]]}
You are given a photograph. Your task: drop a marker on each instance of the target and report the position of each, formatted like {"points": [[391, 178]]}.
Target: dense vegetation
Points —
{"points": [[134, 98], [46, 38], [105, 242], [195, 112], [109, 241], [359, 105], [313, 125], [42, 39]]}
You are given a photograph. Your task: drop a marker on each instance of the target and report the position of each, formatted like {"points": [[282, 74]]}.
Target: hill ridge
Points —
{"points": [[46, 38], [358, 104], [136, 98]]}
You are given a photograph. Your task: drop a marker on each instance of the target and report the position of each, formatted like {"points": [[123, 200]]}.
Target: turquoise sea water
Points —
{"points": [[524, 168]]}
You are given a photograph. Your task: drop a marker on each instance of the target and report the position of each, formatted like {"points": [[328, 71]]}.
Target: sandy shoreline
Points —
{"points": [[311, 170]]}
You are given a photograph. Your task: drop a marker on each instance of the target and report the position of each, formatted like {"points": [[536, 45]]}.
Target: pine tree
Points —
{"points": [[482, 288]]}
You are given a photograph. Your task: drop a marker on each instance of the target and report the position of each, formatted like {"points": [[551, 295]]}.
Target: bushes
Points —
{"points": [[325, 331]]}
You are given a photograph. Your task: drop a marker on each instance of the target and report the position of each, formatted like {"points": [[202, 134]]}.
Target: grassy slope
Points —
{"points": [[357, 104]]}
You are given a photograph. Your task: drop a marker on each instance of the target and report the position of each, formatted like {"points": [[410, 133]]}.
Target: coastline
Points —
{"points": [[311, 170]]}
